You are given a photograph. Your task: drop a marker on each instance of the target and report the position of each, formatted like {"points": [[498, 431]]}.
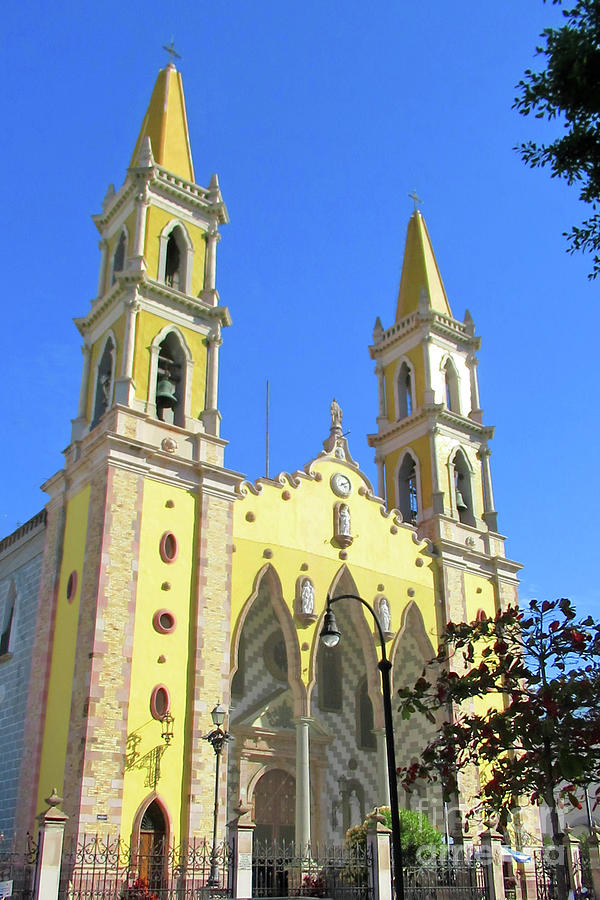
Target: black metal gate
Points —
{"points": [[446, 880], [101, 868], [278, 870], [19, 868]]}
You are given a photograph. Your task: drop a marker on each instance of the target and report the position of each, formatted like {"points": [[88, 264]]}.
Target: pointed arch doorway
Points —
{"points": [[275, 807], [152, 850]]}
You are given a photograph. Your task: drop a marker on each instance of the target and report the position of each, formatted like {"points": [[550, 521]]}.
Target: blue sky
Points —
{"points": [[320, 118]]}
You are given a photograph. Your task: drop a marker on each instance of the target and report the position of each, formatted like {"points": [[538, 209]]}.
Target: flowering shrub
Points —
{"points": [[139, 890], [313, 886]]}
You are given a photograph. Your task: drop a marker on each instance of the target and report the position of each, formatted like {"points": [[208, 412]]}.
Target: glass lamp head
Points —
{"points": [[330, 633], [218, 715]]}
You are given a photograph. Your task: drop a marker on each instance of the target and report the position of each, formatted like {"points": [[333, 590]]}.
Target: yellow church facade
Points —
{"points": [[168, 583]]}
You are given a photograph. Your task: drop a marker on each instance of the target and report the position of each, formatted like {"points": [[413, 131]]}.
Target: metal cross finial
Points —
{"points": [[170, 48], [415, 198]]}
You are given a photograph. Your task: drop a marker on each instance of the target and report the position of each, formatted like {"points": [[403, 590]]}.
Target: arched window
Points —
{"points": [[462, 489], [365, 736], [119, 257], [175, 262], [404, 392], [104, 381], [169, 381], [329, 679], [8, 619], [451, 387], [408, 503]]}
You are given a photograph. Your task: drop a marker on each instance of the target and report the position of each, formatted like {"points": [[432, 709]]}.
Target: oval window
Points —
{"points": [[164, 621], [71, 586], [160, 702], [168, 547]]}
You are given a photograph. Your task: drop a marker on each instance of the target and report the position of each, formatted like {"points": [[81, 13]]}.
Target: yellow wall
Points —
{"points": [[149, 645], [147, 327], [299, 530], [60, 685], [156, 221]]}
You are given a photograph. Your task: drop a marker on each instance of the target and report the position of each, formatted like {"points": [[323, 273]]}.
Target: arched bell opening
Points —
{"points": [[119, 256], [170, 381], [105, 371], [404, 388], [408, 493], [452, 394], [463, 491]]}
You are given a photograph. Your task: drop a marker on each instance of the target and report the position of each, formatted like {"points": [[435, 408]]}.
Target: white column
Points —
{"points": [[212, 238], [489, 515], [380, 463], [475, 412], [302, 784], [379, 371], [383, 784], [124, 386], [103, 247], [437, 494], [429, 392], [79, 425], [140, 230], [210, 415]]}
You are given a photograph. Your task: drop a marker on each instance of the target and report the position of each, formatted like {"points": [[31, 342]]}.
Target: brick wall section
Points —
{"points": [[40, 669], [209, 658], [97, 750], [76, 743], [20, 574]]}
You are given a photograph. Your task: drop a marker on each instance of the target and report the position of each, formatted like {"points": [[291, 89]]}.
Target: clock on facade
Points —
{"points": [[340, 484]]}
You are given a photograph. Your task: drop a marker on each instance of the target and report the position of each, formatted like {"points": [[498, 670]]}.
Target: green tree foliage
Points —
{"points": [[538, 674], [567, 90], [415, 831]]}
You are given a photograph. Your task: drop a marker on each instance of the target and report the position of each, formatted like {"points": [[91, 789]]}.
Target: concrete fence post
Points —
{"points": [[241, 839], [378, 848], [50, 844], [491, 844], [573, 859], [594, 848]]}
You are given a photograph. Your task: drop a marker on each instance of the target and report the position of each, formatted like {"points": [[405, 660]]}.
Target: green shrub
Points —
{"points": [[415, 831]]}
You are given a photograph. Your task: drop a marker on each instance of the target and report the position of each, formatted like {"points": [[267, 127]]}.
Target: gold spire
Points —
{"points": [[420, 273], [165, 123]]}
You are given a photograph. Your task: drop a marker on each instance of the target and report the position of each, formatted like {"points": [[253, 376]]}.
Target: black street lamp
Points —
{"points": [[217, 739], [330, 636]]}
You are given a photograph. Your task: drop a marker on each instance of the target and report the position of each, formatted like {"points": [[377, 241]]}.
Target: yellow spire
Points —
{"points": [[420, 273], [165, 123]]}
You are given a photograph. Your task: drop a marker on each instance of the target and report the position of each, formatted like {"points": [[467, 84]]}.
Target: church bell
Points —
{"points": [[460, 503], [165, 392]]}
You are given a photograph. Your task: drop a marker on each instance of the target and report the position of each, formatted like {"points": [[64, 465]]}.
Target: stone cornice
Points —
{"points": [[462, 557], [161, 181], [24, 533], [432, 323], [436, 415], [129, 282]]}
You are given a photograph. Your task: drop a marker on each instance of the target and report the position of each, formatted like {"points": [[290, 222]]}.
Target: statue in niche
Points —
{"points": [[384, 614], [339, 452], [344, 520], [307, 598], [336, 414]]}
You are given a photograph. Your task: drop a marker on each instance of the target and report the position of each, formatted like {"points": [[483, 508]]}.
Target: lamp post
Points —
{"points": [[330, 636], [217, 739]]}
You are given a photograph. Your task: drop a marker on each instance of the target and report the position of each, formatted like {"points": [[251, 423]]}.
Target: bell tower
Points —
{"points": [[152, 335], [432, 448], [136, 577]]}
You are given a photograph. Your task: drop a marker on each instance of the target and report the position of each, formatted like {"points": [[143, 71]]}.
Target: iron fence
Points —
{"points": [[341, 873], [19, 868], [446, 879], [101, 868]]}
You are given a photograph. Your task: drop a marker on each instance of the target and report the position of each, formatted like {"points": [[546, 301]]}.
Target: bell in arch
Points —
{"points": [[460, 501], [165, 392]]}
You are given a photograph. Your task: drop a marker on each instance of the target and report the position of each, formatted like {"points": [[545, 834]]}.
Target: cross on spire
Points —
{"points": [[416, 199], [170, 48]]}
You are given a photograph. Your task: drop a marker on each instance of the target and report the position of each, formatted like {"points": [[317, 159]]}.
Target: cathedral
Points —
{"points": [[157, 583]]}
